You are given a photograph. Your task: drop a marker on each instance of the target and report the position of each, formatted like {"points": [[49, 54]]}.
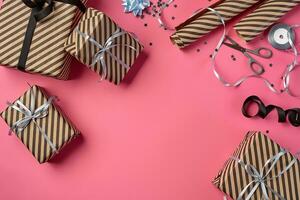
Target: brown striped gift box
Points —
{"points": [[260, 153], [203, 22], [263, 17], [97, 34], [47, 133], [34, 43]]}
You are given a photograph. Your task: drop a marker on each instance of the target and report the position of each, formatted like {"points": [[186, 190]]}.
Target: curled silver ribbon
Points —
{"points": [[99, 57], [260, 178], [160, 20], [286, 76], [31, 115]]}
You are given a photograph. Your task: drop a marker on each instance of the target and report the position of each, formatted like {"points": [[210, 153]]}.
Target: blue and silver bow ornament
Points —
{"points": [[105, 48], [135, 6], [31, 115]]}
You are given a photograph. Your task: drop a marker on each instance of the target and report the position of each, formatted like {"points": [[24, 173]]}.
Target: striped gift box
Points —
{"points": [[55, 125], [46, 54], [256, 150], [100, 27]]}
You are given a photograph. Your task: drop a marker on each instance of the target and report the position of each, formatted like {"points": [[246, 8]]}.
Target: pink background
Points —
{"points": [[163, 134]]}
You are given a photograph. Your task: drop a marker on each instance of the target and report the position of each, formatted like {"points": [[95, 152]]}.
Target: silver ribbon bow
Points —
{"points": [[286, 76], [260, 178], [99, 57], [31, 115], [136, 6]]}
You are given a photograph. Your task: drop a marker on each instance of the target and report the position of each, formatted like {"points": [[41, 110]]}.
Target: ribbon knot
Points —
{"points": [[99, 57], [31, 115], [43, 7]]}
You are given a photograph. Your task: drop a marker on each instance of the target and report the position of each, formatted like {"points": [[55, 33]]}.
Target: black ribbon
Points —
{"points": [[293, 114], [40, 9]]}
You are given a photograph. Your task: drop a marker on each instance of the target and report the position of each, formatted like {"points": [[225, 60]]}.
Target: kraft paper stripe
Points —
{"points": [[263, 17], [205, 21], [100, 27], [46, 55], [57, 127], [256, 149]]}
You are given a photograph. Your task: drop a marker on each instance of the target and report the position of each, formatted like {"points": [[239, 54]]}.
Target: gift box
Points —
{"points": [[33, 33], [39, 124], [260, 169], [103, 46]]}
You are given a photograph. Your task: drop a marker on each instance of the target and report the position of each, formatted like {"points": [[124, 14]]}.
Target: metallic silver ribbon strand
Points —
{"points": [[159, 19], [109, 44], [31, 115], [237, 83], [260, 178]]}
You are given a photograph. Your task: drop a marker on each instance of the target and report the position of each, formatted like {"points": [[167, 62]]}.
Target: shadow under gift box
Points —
{"points": [[55, 125], [257, 150], [46, 51], [117, 50]]}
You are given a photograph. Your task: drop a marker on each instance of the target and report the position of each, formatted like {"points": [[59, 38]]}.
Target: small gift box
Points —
{"points": [[260, 169], [101, 44], [33, 33], [39, 124]]}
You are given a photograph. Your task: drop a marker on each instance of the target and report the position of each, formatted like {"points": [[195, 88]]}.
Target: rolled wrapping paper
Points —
{"points": [[205, 21], [263, 17]]}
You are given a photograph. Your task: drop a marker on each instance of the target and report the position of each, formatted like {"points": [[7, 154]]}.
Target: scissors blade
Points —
{"points": [[235, 46]]}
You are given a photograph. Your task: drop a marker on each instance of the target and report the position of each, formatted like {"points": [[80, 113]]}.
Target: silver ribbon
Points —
{"points": [[237, 83], [260, 178], [99, 57], [31, 115], [160, 20], [292, 66]]}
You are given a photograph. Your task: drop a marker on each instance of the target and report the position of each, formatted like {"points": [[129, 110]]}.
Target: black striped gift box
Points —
{"points": [[263, 17], [256, 149], [46, 55], [57, 127], [100, 27]]}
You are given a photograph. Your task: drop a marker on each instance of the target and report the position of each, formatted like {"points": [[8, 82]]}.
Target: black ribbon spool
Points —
{"points": [[40, 9], [293, 114]]}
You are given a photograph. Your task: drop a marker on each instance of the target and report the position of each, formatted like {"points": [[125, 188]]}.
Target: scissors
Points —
{"points": [[254, 65]]}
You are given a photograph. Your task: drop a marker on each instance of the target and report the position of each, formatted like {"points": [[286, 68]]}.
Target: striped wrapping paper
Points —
{"points": [[205, 21], [263, 17], [100, 27], [256, 149], [47, 55], [55, 124]]}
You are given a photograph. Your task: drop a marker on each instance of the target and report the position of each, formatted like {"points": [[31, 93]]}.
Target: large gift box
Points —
{"points": [[103, 46], [33, 33], [260, 169], [39, 124]]}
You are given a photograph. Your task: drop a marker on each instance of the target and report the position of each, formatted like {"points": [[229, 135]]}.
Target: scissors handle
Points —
{"points": [[261, 52], [255, 66]]}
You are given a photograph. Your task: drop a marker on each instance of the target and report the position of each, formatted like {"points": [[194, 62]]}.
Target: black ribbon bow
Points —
{"points": [[40, 9], [293, 114]]}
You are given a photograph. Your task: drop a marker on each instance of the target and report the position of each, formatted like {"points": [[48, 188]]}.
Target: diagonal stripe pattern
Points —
{"points": [[100, 27], [55, 124], [47, 55], [205, 21], [264, 16], [256, 149]]}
